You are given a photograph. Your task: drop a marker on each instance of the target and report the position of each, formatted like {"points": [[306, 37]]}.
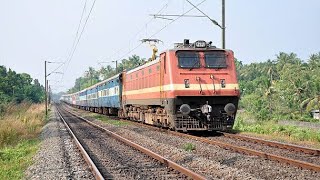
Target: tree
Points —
{"points": [[93, 76], [286, 86], [16, 87]]}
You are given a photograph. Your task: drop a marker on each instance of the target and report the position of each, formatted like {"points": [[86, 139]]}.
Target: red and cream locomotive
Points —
{"points": [[191, 87]]}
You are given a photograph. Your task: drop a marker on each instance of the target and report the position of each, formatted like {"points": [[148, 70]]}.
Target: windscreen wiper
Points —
{"points": [[193, 66]]}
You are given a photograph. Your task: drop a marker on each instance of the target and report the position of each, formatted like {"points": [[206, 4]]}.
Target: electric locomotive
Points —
{"points": [[192, 87]]}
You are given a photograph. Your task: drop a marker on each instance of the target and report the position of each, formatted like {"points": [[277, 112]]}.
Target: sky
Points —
{"points": [[34, 31]]}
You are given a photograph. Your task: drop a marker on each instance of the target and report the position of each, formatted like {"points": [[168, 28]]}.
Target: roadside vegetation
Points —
{"points": [[16, 88], [20, 126], [272, 130], [286, 88], [21, 119]]}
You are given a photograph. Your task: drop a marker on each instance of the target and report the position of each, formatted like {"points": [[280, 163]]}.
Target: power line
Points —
{"points": [[213, 21], [76, 45], [61, 64], [162, 29], [177, 18], [142, 29], [79, 25]]}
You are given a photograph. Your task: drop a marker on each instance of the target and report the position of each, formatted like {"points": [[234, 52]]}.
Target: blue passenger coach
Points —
{"points": [[109, 92], [103, 97], [83, 98]]}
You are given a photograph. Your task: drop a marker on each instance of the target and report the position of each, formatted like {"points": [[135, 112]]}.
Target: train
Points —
{"points": [[191, 87]]}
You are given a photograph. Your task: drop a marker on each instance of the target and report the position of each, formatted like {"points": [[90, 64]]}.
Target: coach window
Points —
{"points": [[188, 59], [215, 59], [150, 70], [158, 68], [136, 75]]}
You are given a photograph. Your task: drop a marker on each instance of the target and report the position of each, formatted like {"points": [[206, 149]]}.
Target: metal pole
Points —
{"points": [[116, 66], [48, 93], [45, 85], [91, 78], [223, 25]]}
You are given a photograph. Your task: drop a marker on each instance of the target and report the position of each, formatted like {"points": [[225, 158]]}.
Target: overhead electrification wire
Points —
{"points": [[75, 38], [161, 30], [78, 40], [213, 21], [142, 29], [61, 64], [79, 25]]}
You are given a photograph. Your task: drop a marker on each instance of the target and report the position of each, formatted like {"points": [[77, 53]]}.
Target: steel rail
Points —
{"points": [[240, 149], [297, 163], [297, 148], [244, 150], [96, 173], [148, 152]]}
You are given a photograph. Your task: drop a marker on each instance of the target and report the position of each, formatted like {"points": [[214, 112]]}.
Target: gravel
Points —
{"points": [[209, 160], [58, 157]]}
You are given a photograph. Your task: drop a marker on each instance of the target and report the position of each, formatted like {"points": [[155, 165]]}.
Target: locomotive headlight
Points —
{"points": [[185, 109], [230, 108]]}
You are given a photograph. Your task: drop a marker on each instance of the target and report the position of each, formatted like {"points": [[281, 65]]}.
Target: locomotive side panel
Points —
{"points": [[142, 85]]}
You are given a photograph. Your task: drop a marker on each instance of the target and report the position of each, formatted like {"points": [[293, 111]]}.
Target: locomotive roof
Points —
{"points": [[145, 65], [113, 77], [104, 81]]}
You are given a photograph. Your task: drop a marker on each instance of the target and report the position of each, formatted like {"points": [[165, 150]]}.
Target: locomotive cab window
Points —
{"points": [[188, 59], [215, 59]]}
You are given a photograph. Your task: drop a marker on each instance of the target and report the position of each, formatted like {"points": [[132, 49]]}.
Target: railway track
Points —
{"points": [[251, 151], [85, 155], [247, 149], [112, 156], [311, 151], [294, 161]]}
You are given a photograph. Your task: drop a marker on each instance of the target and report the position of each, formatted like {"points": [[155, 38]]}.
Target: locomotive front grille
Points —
{"points": [[192, 124]]}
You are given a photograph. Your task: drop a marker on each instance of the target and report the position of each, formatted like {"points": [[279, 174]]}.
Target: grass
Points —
{"points": [[21, 122], [276, 131], [108, 120], [189, 147], [20, 127], [14, 160]]}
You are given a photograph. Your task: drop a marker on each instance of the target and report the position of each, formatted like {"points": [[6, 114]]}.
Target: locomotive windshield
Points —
{"points": [[188, 60], [215, 59]]}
